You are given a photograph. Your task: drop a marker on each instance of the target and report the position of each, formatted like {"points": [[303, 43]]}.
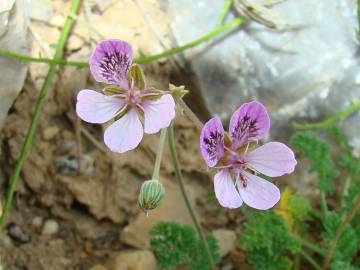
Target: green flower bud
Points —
{"points": [[151, 194]]}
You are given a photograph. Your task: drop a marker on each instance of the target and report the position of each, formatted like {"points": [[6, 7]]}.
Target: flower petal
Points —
{"points": [[124, 134], [272, 159], [258, 193], [212, 141], [250, 122], [225, 190], [158, 113], [110, 62], [94, 107]]}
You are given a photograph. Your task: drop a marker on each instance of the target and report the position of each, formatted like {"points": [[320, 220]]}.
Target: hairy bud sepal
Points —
{"points": [[151, 194]]}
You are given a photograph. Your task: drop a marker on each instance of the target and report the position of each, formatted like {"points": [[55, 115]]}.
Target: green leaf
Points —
{"points": [[266, 241], [337, 265], [346, 246], [317, 151], [178, 245]]}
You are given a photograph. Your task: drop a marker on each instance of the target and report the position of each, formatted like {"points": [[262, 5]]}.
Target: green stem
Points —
{"points": [[310, 259], [141, 59], [180, 180], [330, 121], [189, 113], [159, 154], [224, 10], [324, 206], [308, 244], [35, 118], [27, 58]]}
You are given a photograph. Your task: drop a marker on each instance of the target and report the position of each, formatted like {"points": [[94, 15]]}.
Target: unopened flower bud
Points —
{"points": [[151, 194]]}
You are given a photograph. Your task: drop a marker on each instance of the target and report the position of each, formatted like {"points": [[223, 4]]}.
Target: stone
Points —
{"points": [[50, 133], [132, 259], [37, 222], [51, 227], [13, 33], [226, 240], [306, 70], [17, 233], [98, 267]]}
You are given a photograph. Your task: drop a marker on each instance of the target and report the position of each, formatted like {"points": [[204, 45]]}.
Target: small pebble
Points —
{"points": [[50, 133], [51, 227], [37, 222], [17, 234]]}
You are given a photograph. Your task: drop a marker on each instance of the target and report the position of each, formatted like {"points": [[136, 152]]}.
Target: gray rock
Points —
{"points": [[306, 70], [51, 227], [13, 30], [17, 233]]}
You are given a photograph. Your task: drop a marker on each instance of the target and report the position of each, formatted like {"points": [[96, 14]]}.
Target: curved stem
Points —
{"points": [[27, 58], [308, 244], [339, 232], [180, 180], [189, 113], [330, 121], [159, 154], [35, 118], [309, 259], [224, 10], [140, 60]]}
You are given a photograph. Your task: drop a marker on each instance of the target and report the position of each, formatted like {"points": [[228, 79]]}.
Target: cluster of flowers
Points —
{"points": [[138, 108]]}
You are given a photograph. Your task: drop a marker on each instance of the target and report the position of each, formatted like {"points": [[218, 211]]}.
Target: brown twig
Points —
{"points": [[339, 232]]}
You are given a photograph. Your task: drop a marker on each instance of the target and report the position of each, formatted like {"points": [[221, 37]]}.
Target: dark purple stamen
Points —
{"points": [[114, 66], [212, 142], [245, 129]]}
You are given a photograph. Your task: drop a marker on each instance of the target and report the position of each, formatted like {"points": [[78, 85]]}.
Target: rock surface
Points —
{"points": [[226, 240], [306, 70], [132, 259]]}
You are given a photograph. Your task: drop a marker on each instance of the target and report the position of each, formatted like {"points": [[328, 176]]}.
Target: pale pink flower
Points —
{"points": [[127, 99], [237, 180]]}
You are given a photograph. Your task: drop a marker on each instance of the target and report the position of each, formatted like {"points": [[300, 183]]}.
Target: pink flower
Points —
{"points": [[126, 100], [237, 182]]}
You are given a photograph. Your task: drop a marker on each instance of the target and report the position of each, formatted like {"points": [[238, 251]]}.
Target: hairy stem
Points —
{"points": [[308, 244], [27, 58], [330, 121], [323, 203], [142, 59], [310, 259], [159, 154], [224, 10], [189, 113], [180, 180], [35, 117], [339, 232]]}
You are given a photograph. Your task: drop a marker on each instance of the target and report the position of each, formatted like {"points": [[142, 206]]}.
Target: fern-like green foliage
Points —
{"points": [[176, 245], [317, 151], [337, 265], [266, 241], [347, 244]]}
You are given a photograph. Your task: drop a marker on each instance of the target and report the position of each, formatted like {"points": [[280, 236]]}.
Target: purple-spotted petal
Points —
{"points": [[158, 113], [258, 193], [110, 62], [248, 123], [225, 190], [212, 141], [94, 107], [272, 159], [124, 134]]}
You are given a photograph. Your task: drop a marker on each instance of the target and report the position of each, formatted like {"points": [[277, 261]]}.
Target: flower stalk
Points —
{"points": [[159, 155], [179, 178], [39, 104]]}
